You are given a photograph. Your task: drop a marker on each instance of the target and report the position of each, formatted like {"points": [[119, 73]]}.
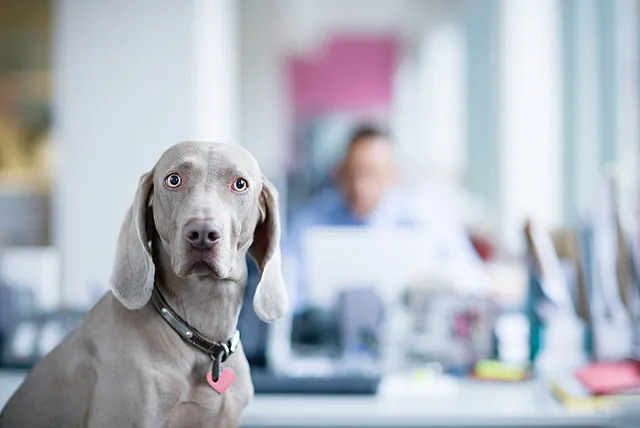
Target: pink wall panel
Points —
{"points": [[349, 73]]}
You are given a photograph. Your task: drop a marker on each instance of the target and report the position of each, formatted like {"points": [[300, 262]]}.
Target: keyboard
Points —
{"points": [[267, 382]]}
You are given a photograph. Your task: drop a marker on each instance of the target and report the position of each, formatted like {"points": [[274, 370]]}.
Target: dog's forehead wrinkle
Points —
{"points": [[172, 160], [227, 164], [213, 156]]}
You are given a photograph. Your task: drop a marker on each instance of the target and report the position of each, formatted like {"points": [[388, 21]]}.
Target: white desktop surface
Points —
{"points": [[476, 404]]}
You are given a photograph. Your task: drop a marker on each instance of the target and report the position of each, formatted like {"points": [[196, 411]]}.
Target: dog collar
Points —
{"points": [[218, 351]]}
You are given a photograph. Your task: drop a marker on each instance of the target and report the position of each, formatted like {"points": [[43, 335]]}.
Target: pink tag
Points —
{"points": [[224, 381]]}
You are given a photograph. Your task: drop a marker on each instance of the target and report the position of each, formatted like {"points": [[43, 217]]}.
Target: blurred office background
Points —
{"points": [[517, 112]]}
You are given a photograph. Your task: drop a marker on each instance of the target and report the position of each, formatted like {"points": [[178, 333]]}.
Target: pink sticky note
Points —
{"points": [[610, 378]]}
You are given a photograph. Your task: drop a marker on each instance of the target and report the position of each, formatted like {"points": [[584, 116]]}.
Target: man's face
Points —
{"points": [[366, 174]]}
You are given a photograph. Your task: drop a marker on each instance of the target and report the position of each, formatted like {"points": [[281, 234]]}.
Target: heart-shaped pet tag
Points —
{"points": [[224, 381]]}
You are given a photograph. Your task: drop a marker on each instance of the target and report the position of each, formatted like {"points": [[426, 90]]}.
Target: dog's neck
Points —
{"points": [[210, 305]]}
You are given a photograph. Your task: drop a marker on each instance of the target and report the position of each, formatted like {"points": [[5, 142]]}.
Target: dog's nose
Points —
{"points": [[202, 235]]}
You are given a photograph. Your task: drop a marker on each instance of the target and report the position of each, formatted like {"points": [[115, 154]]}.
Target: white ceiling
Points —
{"points": [[303, 24]]}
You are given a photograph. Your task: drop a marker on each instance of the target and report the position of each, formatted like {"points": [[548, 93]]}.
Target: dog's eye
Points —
{"points": [[173, 180], [240, 185]]}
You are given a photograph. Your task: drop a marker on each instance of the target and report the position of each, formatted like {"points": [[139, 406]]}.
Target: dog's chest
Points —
{"points": [[200, 409], [193, 402], [207, 409]]}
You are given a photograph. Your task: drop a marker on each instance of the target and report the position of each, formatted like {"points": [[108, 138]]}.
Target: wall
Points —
{"points": [[130, 81]]}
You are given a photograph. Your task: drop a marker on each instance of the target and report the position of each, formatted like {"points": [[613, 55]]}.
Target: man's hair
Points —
{"points": [[366, 131]]}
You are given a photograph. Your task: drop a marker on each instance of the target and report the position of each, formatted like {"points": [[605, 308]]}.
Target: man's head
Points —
{"points": [[367, 170]]}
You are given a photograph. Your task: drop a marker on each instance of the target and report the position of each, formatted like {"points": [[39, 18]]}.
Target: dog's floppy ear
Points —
{"points": [[270, 300], [133, 269]]}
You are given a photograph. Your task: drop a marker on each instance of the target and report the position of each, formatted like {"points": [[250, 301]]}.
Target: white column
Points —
{"points": [[531, 128], [442, 90], [263, 104], [215, 55], [587, 162], [405, 115], [628, 106], [132, 78]]}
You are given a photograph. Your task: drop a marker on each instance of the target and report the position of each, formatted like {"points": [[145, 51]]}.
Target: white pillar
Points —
{"points": [[587, 163], [265, 127], [628, 107], [405, 116], [215, 90], [531, 128], [132, 78], [443, 93]]}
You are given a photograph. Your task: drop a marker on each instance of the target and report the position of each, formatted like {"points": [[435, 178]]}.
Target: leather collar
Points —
{"points": [[218, 351]]}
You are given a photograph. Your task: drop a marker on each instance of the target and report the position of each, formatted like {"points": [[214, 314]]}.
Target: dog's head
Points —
{"points": [[209, 205]]}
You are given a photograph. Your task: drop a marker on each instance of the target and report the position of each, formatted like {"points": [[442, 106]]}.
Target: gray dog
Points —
{"points": [[157, 351]]}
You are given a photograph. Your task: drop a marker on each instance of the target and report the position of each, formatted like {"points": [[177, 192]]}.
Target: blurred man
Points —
{"points": [[362, 181], [366, 194]]}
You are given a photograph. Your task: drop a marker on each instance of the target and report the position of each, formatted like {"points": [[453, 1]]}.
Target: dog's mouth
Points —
{"points": [[214, 262], [206, 267], [201, 267]]}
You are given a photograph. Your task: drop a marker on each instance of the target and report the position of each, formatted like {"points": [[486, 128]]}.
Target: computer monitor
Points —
{"points": [[336, 258]]}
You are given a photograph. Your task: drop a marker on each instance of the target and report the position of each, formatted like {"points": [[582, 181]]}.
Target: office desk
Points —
{"points": [[476, 404]]}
